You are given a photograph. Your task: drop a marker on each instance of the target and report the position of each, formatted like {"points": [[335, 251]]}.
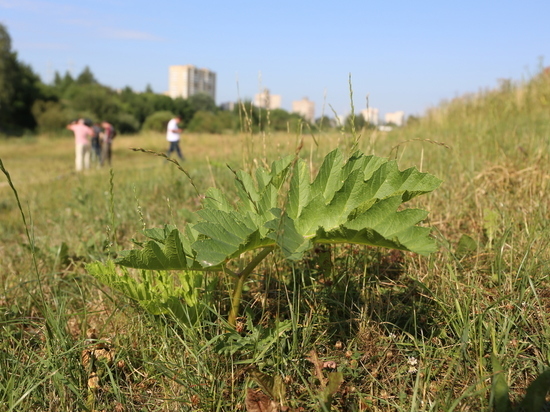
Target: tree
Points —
{"points": [[5, 40], [6, 88], [26, 91], [202, 102], [6, 76], [19, 88], [250, 117], [159, 101], [136, 104], [324, 123], [184, 108], [96, 99], [86, 77], [358, 122], [61, 84], [281, 120]]}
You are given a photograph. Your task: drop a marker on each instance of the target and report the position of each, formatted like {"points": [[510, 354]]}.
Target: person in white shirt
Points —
{"points": [[173, 136]]}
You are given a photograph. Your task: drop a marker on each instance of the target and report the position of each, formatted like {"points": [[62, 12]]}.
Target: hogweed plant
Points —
{"points": [[355, 200]]}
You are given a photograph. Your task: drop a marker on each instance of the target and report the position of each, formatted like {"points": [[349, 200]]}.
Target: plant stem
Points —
{"points": [[30, 238], [239, 284]]}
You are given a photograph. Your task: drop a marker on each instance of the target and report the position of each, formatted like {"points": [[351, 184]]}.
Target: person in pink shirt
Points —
{"points": [[82, 144]]}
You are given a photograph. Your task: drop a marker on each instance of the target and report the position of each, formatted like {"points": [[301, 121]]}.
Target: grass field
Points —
{"points": [[349, 328]]}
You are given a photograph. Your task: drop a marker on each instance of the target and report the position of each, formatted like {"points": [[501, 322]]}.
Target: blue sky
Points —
{"points": [[403, 55]]}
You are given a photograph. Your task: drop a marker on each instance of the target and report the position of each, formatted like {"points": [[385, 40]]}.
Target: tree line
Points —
{"points": [[28, 105]]}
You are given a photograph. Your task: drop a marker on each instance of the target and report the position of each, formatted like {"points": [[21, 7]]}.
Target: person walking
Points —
{"points": [[173, 132], [108, 135], [82, 144]]}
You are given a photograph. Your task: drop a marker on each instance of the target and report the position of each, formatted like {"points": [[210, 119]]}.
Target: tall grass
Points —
{"points": [[407, 333]]}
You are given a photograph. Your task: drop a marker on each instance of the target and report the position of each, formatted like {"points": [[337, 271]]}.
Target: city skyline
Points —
{"points": [[397, 56]]}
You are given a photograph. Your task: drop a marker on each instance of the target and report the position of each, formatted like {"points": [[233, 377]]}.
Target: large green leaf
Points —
{"points": [[215, 199], [355, 200], [328, 179], [223, 234], [499, 387], [284, 234], [300, 189], [171, 252], [156, 291]]}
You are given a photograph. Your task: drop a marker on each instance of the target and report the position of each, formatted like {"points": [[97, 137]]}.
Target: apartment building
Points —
{"points": [[371, 115], [397, 118], [187, 80], [305, 108], [266, 100]]}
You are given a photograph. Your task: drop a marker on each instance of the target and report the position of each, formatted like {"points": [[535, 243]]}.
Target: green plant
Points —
{"points": [[258, 343], [205, 122], [157, 121], [157, 291], [276, 389], [534, 399], [355, 200]]}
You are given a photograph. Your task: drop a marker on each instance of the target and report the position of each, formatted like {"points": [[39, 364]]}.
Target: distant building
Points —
{"points": [[230, 106], [340, 119], [266, 100], [397, 118], [305, 108], [188, 80], [371, 115]]}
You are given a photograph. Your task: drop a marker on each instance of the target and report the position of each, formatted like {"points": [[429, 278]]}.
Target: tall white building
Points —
{"points": [[187, 80], [266, 100], [371, 115], [397, 118], [305, 108]]}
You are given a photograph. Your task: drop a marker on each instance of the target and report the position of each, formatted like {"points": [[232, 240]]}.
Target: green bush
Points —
{"points": [[227, 121], [125, 123], [49, 115], [157, 121], [208, 122], [281, 120]]}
